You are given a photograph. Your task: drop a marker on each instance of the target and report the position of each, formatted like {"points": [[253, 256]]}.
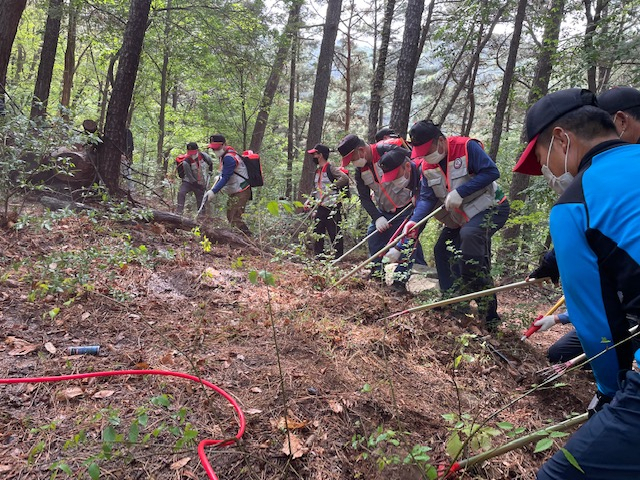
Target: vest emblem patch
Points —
{"points": [[457, 163]]}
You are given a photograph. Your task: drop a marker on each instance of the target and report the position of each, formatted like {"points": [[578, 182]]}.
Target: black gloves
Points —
{"points": [[598, 401], [548, 268]]}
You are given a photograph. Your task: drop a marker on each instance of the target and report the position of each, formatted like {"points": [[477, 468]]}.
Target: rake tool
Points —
{"points": [[468, 296], [386, 248], [371, 234], [534, 328], [555, 371]]}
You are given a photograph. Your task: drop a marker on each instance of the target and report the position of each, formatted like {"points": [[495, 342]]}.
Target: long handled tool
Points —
{"points": [[371, 235], [517, 443], [308, 215], [559, 369], [534, 328], [469, 296], [386, 248]]}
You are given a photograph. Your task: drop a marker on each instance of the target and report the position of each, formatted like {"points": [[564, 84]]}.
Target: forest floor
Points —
{"points": [[152, 297]]}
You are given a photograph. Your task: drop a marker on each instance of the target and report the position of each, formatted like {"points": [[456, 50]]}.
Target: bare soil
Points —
{"points": [[324, 360]]}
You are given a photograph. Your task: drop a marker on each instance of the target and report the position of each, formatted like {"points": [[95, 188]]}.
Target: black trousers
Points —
{"points": [[328, 224]]}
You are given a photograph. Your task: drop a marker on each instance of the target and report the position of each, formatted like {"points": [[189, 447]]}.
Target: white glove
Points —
{"points": [[393, 255], [545, 323], [382, 224], [453, 200], [208, 196]]}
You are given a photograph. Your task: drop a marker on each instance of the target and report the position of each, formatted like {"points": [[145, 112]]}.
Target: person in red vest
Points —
{"points": [[233, 181], [457, 173], [329, 182], [195, 169]]}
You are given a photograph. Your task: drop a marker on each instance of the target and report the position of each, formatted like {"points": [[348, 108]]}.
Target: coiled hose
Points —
{"points": [[201, 445]]}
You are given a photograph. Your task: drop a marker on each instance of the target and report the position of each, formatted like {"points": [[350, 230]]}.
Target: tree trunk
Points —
{"points": [[10, 13], [320, 90], [290, 31], [507, 80], [47, 59], [482, 41], [539, 88], [424, 33], [108, 83], [406, 70], [164, 96], [378, 76], [291, 141], [69, 57], [114, 131]]}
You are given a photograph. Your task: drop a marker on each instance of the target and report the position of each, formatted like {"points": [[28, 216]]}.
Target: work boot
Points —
{"points": [[399, 287]]}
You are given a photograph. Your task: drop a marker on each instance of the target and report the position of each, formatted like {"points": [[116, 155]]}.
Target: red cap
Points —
{"points": [[528, 162], [215, 145], [391, 175], [192, 152], [346, 160], [421, 150]]}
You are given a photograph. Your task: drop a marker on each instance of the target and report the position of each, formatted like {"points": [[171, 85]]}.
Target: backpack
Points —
{"points": [[254, 168], [345, 191], [179, 165]]}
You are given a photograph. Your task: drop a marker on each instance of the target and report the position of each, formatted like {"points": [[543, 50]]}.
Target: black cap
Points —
{"points": [[542, 114], [217, 139], [423, 133], [346, 147], [192, 146], [385, 132], [390, 163], [619, 99], [321, 149]]}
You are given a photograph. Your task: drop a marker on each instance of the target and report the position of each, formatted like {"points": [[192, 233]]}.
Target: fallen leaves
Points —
{"points": [[180, 463], [49, 347], [19, 346], [293, 447], [103, 394], [69, 393]]}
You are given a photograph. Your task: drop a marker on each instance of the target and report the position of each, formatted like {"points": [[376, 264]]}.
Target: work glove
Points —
{"points": [[545, 323], [393, 255], [410, 234], [208, 196], [382, 224], [548, 268], [598, 401], [453, 200]]}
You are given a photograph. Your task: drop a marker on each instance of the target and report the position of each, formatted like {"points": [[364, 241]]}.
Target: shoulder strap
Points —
{"points": [[332, 178]]}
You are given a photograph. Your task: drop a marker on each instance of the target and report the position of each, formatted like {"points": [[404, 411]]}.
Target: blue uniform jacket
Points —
{"points": [[480, 164], [595, 226]]}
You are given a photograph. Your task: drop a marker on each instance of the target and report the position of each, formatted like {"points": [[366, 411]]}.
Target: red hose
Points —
{"points": [[201, 445]]}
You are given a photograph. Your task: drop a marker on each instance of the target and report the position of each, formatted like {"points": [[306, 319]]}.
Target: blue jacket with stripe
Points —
{"points": [[595, 226]]}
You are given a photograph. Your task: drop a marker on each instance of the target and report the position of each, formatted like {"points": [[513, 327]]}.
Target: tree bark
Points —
{"points": [[10, 13], [164, 97], [291, 141], [290, 31], [114, 131], [47, 59], [380, 69], [320, 90], [406, 70], [539, 88], [507, 79], [69, 56]]}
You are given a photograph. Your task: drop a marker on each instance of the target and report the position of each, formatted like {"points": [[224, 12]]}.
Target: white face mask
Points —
{"points": [[361, 162], [400, 182], [435, 157], [558, 184], [219, 152], [194, 156]]}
